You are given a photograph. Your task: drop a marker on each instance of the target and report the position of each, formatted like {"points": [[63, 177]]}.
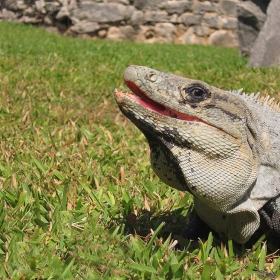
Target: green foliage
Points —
{"points": [[78, 198]]}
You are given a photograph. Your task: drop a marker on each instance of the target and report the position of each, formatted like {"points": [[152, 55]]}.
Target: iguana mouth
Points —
{"points": [[141, 97]]}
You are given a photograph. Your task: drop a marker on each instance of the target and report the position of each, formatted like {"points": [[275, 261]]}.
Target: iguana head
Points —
{"points": [[204, 129], [197, 106], [202, 139]]}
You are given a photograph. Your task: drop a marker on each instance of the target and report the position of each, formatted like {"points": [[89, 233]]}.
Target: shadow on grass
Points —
{"points": [[145, 223]]}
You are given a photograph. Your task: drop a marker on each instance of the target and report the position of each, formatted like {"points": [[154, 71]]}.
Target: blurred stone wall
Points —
{"points": [[179, 21]]}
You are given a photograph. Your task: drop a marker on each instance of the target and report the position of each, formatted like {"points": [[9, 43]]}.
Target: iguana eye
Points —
{"points": [[196, 93]]}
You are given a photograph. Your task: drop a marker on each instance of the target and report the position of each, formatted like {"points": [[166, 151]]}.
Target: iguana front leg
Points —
{"points": [[271, 214], [196, 228]]}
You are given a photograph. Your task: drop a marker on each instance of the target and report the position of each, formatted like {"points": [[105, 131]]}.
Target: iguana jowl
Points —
{"points": [[221, 146]]}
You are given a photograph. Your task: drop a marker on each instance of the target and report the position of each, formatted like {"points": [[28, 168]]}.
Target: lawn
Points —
{"points": [[78, 198]]}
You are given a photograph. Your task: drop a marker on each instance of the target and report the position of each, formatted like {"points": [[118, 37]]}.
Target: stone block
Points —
{"points": [[229, 7], [146, 34], [165, 32], [21, 5], [52, 7], [226, 38], [114, 33], [128, 32], [137, 18], [103, 12], [28, 12], [178, 7], [155, 16], [85, 27], [228, 23], [211, 20], [190, 19], [9, 5], [102, 33], [8, 15], [189, 37], [161, 32], [121, 33], [153, 5], [73, 5], [40, 6], [129, 11], [63, 13], [74, 20], [207, 6], [33, 20], [201, 30], [125, 2], [48, 20], [174, 19]]}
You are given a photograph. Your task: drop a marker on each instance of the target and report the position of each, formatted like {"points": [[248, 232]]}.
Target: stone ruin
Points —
{"points": [[231, 23], [183, 21]]}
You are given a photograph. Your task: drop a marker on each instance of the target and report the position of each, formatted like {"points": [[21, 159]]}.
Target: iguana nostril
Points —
{"points": [[152, 77]]}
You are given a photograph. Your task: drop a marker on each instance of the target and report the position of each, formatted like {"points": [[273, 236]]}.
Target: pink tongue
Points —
{"points": [[153, 106], [164, 111]]}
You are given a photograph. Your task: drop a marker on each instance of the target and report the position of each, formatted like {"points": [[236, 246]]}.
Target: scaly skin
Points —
{"points": [[220, 146]]}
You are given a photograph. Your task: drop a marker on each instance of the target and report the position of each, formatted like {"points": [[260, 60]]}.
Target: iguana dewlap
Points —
{"points": [[221, 146]]}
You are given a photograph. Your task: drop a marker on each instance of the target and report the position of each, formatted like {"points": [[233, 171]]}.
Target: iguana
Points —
{"points": [[221, 146]]}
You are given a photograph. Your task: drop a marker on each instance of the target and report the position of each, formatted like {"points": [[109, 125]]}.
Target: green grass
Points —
{"points": [[78, 198]]}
